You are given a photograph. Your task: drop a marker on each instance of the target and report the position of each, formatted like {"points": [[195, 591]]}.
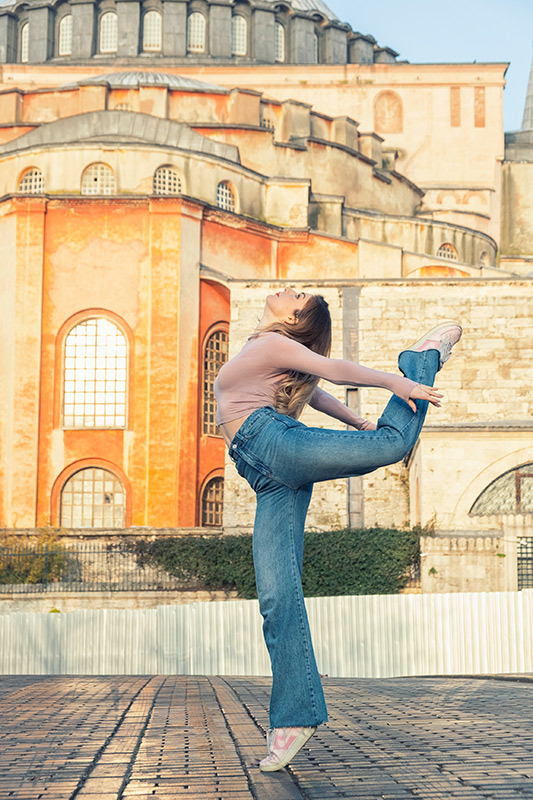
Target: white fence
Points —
{"points": [[366, 636]]}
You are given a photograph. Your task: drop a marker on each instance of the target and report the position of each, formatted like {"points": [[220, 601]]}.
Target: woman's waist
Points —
{"points": [[229, 429]]}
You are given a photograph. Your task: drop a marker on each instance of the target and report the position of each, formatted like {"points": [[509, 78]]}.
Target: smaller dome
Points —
{"points": [[134, 79], [310, 7]]}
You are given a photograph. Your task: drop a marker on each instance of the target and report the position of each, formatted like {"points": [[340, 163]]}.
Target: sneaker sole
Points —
{"points": [[291, 752], [437, 329]]}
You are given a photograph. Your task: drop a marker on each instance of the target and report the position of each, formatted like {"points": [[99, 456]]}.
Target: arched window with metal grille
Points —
{"points": [[108, 39], [196, 33], [280, 42], [225, 196], [152, 31], [25, 42], [510, 493], [167, 181], [65, 36], [447, 250], [95, 375], [31, 181], [215, 355], [239, 35], [93, 498], [98, 179], [213, 503]]}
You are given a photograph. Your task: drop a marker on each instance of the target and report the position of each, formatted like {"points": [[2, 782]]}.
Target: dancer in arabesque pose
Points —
{"points": [[260, 394]]}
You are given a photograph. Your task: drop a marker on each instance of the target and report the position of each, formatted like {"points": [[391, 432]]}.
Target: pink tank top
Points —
{"points": [[250, 379]]}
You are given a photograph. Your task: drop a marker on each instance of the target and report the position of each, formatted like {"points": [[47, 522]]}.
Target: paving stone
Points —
{"points": [[199, 738]]}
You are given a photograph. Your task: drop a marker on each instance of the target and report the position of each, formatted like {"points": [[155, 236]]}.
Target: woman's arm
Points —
{"points": [[288, 354], [322, 401]]}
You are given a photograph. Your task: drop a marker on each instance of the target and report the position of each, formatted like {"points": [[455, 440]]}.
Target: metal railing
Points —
{"points": [[83, 567], [524, 558]]}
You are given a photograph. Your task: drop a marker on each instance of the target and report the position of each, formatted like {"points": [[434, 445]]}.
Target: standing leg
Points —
{"points": [[297, 698]]}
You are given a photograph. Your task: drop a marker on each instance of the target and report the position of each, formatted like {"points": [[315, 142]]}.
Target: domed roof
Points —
{"points": [[309, 6], [134, 79]]}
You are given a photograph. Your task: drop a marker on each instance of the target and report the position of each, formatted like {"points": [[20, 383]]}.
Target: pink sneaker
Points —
{"points": [[442, 338], [283, 744]]}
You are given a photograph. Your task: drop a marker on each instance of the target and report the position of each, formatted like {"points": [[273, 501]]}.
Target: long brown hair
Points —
{"points": [[313, 330]]}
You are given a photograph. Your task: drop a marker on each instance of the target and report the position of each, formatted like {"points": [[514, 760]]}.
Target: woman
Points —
{"points": [[260, 394]]}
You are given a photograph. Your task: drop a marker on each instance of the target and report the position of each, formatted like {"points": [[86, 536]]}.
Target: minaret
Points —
{"points": [[527, 122]]}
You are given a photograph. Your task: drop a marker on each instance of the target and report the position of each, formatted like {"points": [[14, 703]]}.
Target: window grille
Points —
{"points": [[267, 123], [196, 33], [65, 36], [225, 196], [525, 562], [152, 31], [447, 251], [167, 181], [93, 498], [280, 42], [215, 355], [239, 35], [213, 503], [315, 48], [108, 32], [25, 43], [511, 493], [98, 179], [32, 182], [95, 376]]}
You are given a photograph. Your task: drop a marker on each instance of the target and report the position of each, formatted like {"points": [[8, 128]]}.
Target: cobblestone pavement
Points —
{"points": [[200, 738]]}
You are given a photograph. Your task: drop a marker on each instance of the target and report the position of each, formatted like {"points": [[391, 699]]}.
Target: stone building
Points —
{"points": [[162, 166]]}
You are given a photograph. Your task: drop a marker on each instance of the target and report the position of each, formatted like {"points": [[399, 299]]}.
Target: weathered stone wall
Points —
{"points": [[45, 602], [483, 427]]}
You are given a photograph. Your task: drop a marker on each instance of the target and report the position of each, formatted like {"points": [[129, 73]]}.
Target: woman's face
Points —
{"points": [[283, 304]]}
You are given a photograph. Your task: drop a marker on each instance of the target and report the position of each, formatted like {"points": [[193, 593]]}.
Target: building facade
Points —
{"points": [[163, 165]]}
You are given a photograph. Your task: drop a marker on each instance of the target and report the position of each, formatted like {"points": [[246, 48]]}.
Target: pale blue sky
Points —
{"points": [[455, 30]]}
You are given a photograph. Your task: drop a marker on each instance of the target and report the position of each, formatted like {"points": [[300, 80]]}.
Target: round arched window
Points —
{"points": [[447, 250], [93, 498], [213, 503], [32, 181], [167, 181], [98, 179], [215, 355], [225, 196], [511, 493]]}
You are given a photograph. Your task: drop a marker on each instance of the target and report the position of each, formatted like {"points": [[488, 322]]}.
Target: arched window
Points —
{"points": [[25, 43], [511, 493], [315, 48], [280, 42], [225, 196], [388, 113], [196, 33], [95, 375], [215, 355], [213, 503], [167, 180], [152, 28], [65, 36], [108, 32], [239, 35], [32, 181], [98, 179], [93, 498], [447, 250]]}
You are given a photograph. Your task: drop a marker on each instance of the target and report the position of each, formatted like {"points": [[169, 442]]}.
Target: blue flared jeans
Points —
{"points": [[281, 459]]}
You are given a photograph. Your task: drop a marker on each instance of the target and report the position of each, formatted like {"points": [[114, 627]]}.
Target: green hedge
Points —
{"points": [[361, 561]]}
